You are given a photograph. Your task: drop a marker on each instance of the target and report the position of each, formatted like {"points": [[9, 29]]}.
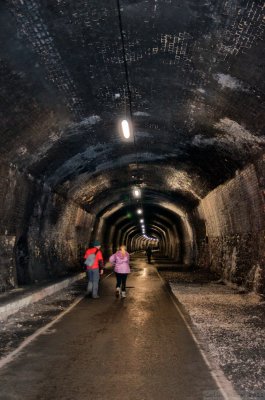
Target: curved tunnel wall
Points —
{"points": [[43, 234], [177, 241], [234, 215], [196, 79]]}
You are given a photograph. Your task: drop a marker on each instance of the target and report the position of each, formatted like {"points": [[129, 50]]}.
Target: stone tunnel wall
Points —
{"points": [[234, 240], [42, 235]]}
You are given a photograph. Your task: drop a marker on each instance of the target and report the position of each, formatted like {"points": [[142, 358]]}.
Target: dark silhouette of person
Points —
{"points": [[149, 254]]}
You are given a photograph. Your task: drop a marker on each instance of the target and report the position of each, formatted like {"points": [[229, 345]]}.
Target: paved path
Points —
{"points": [[111, 349]]}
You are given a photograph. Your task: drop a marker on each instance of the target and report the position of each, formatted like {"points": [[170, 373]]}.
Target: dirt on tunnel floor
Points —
{"points": [[229, 323], [25, 322]]}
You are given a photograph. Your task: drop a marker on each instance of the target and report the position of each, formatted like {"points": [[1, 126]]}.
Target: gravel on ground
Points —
{"points": [[25, 322], [230, 322]]}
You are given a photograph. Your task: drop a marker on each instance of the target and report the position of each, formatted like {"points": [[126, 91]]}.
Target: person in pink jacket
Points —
{"points": [[121, 261]]}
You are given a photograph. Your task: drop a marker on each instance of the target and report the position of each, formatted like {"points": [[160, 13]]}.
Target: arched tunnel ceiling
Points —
{"points": [[100, 189], [196, 76], [158, 204], [156, 216]]}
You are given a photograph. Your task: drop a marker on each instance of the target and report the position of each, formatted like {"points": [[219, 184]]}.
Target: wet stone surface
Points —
{"points": [[229, 324], [25, 322]]}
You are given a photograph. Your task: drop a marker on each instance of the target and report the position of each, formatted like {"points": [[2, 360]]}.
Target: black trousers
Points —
{"points": [[121, 281]]}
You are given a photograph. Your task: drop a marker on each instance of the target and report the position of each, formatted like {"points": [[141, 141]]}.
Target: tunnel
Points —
{"points": [[136, 123], [189, 78]]}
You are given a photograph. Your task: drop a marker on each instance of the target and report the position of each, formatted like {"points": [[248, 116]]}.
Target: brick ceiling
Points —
{"points": [[196, 80]]}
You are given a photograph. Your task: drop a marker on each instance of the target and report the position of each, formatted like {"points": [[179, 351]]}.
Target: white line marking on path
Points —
{"points": [[11, 356], [225, 387]]}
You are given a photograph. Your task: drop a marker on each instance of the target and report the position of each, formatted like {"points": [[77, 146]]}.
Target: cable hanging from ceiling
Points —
{"points": [[127, 126]]}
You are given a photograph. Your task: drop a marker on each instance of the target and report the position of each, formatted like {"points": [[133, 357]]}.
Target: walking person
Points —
{"points": [[94, 268], [149, 254], [121, 261]]}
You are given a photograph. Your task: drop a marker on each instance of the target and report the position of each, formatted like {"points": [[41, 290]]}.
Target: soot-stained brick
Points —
{"points": [[192, 73]]}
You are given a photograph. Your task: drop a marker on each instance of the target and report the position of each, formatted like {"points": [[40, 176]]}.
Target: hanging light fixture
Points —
{"points": [[125, 128]]}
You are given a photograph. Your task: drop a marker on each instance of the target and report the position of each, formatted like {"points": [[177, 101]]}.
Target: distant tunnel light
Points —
{"points": [[137, 192], [125, 129], [141, 221], [139, 211]]}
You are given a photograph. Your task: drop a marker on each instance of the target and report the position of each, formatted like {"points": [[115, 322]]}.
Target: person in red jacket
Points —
{"points": [[95, 270]]}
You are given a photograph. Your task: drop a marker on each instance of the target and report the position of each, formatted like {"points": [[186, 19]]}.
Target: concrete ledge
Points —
{"points": [[15, 305]]}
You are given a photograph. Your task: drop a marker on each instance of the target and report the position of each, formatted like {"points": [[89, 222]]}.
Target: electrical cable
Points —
{"points": [[124, 58], [129, 91]]}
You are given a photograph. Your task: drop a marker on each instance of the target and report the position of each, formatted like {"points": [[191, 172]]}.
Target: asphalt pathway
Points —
{"points": [[137, 348]]}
